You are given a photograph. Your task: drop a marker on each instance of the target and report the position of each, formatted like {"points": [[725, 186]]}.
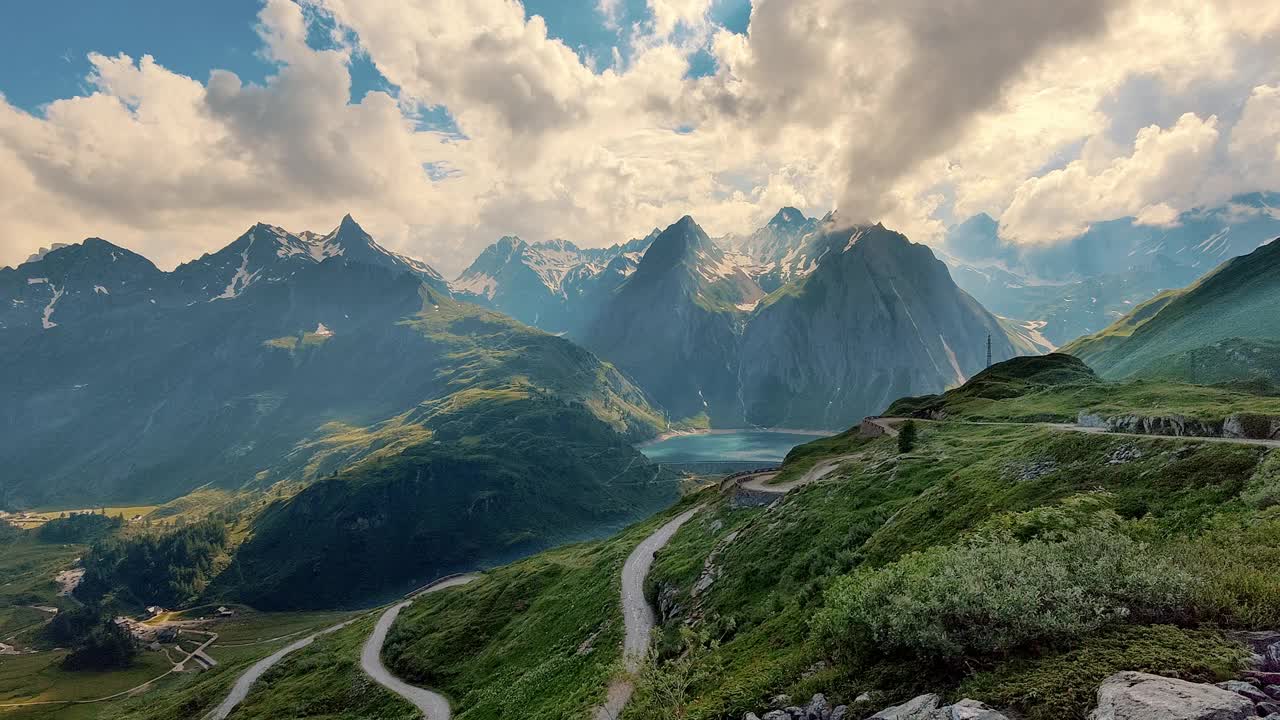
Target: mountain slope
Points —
{"points": [[1237, 300], [427, 434], [138, 393], [74, 283], [871, 317], [672, 325], [877, 319], [1016, 564]]}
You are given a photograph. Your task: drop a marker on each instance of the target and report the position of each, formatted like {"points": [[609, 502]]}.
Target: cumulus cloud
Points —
{"points": [[1255, 141], [156, 159], [1046, 115], [1167, 171]]}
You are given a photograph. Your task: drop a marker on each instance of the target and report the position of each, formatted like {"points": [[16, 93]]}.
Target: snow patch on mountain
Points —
{"points": [[46, 321], [240, 280]]}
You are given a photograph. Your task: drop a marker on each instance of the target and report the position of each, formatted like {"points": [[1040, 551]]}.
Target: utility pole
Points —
{"points": [[988, 349]]}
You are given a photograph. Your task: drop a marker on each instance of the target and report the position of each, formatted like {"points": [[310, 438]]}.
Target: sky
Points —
{"points": [[171, 126]]}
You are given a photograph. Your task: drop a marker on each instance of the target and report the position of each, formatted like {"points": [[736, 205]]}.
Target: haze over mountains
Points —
{"points": [[1222, 328], [1083, 284]]}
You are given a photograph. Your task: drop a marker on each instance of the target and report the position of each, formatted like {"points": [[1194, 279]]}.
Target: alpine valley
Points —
{"points": [[306, 476]]}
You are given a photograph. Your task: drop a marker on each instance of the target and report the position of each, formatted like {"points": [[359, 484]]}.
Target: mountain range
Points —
{"points": [[1083, 284], [805, 322], [551, 284], [331, 372], [357, 385]]}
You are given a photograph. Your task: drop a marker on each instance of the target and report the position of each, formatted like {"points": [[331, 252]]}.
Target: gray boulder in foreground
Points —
{"points": [[1140, 696], [929, 707], [969, 710], [921, 707]]}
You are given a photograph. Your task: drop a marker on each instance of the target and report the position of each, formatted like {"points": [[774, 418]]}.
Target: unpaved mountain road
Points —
{"points": [[243, 683], [637, 615], [759, 482], [433, 706]]}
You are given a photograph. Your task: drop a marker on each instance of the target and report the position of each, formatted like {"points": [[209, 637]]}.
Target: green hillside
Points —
{"points": [[1237, 300], [501, 475], [1056, 388], [1011, 563]]}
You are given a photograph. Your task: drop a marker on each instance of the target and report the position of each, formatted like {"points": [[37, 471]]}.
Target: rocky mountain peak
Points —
{"points": [[678, 243], [786, 218]]}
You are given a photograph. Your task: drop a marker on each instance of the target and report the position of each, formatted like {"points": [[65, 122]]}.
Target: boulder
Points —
{"points": [[969, 710], [841, 713], [751, 716], [776, 715], [1249, 425], [1269, 707], [795, 712], [818, 708], [1245, 689], [1140, 696], [921, 707], [1273, 691]]}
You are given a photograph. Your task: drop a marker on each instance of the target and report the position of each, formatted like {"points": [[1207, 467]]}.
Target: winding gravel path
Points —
{"points": [[432, 705], [637, 615], [245, 682]]}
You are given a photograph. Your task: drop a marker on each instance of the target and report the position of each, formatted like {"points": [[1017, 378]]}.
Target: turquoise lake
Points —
{"points": [[746, 445]]}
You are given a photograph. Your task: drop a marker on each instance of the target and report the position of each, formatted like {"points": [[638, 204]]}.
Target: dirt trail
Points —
{"points": [[637, 615], [433, 706], [241, 689]]}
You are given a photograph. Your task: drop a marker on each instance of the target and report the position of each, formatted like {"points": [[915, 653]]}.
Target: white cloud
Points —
{"points": [[669, 14], [1166, 171], [897, 112], [1255, 142]]}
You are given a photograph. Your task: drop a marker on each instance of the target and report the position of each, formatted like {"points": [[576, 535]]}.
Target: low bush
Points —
{"points": [[992, 597], [1263, 490]]}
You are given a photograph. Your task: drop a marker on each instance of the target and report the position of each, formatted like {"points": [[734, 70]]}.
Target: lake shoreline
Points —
{"points": [[732, 431]]}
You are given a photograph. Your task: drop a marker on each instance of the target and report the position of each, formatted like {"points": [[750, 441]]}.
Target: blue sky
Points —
{"points": [[43, 46]]}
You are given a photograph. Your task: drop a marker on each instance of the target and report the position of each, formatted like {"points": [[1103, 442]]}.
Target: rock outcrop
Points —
{"points": [[1140, 696], [1238, 425], [922, 707]]}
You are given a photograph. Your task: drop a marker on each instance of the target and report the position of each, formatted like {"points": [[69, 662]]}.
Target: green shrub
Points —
{"points": [[907, 436], [666, 690], [1065, 685], [1089, 511], [993, 597], [1236, 558]]}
